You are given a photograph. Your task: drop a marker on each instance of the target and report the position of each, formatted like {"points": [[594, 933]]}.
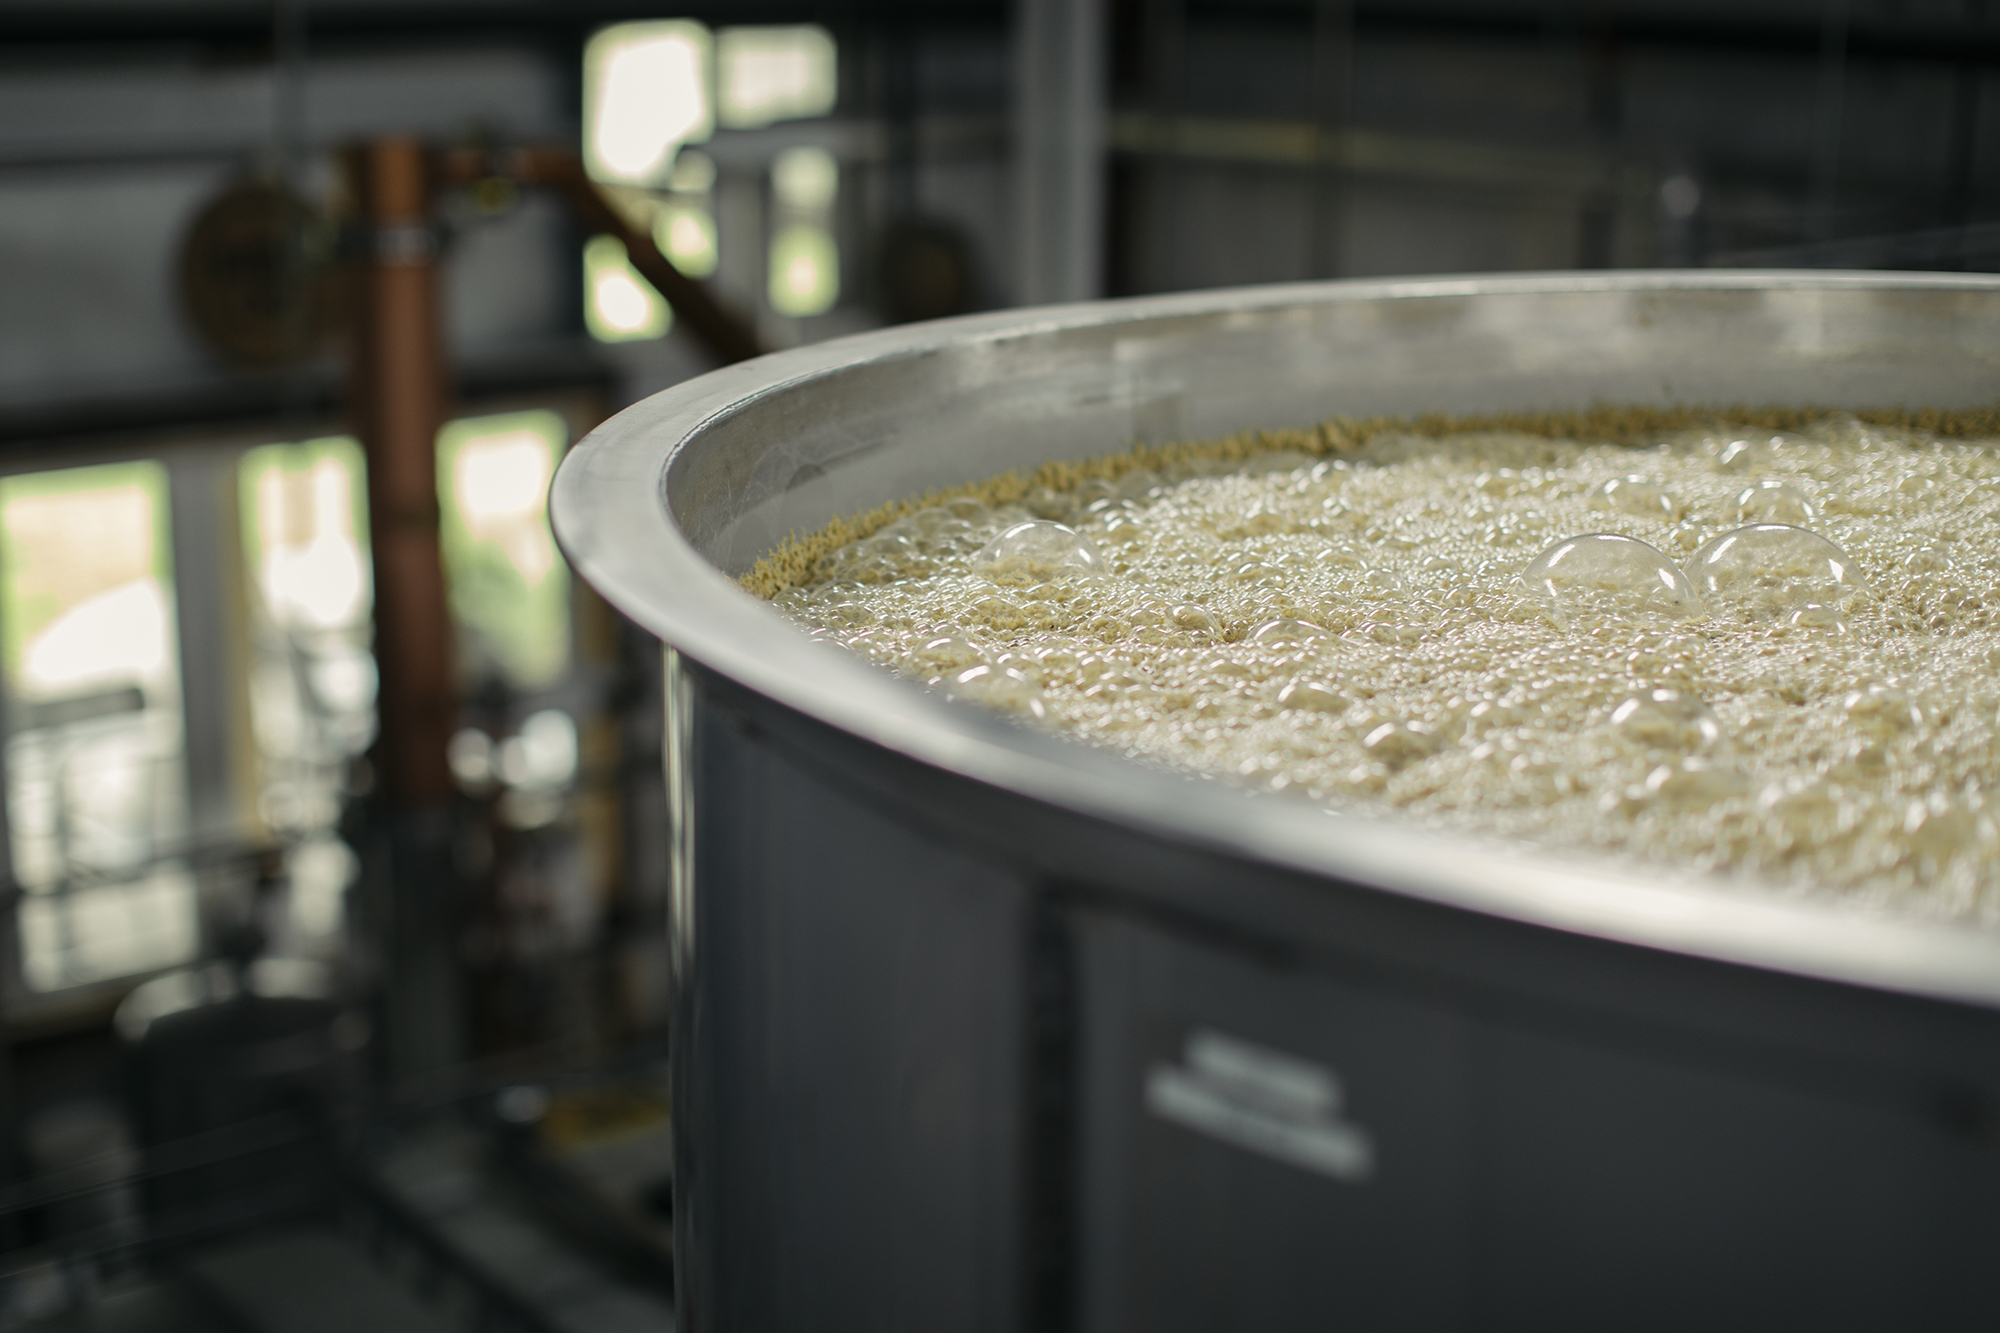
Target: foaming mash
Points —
{"points": [[1771, 655]]}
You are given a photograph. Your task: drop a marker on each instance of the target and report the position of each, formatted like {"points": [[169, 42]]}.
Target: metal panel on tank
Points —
{"points": [[1527, 1165], [1265, 1147], [847, 1056]]}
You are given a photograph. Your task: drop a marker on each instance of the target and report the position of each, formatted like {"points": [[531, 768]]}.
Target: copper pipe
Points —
{"points": [[725, 335], [399, 379]]}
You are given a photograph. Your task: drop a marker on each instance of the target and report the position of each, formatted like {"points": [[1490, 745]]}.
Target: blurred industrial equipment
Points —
{"points": [[259, 275], [433, 853]]}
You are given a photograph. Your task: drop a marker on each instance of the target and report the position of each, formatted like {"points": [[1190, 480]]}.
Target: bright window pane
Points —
{"points": [[805, 179], [86, 601], [684, 225], [770, 74], [645, 92], [618, 304], [96, 787], [107, 930], [805, 271], [509, 587], [685, 234], [312, 675], [305, 533]]}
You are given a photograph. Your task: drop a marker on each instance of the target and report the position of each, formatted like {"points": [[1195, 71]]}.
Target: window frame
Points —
{"points": [[213, 632], [206, 555]]}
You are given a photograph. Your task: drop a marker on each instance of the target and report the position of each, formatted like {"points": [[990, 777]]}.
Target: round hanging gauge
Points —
{"points": [[259, 279]]}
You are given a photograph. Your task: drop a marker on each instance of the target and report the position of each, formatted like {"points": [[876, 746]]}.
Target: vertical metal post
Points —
{"points": [[1964, 154], [1827, 113], [398, 395], [399, 403], [204, 529], [1163, 28], [288, 134], [743, 266], [1332, 78], [1059, 115], [12, 1231], [900, 98], [1597, 214]]}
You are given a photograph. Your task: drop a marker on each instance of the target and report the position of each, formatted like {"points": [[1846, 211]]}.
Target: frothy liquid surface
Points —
{"points": [[1773, 655]]}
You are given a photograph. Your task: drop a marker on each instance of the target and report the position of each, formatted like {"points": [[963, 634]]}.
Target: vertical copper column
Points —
{"points": [[399, 392]]}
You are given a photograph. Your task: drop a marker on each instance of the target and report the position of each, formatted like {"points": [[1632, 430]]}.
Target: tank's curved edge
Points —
{"points": [[611, 519]]}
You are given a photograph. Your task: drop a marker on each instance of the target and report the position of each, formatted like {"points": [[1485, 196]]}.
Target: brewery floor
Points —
{"points": [[470, 1227]]}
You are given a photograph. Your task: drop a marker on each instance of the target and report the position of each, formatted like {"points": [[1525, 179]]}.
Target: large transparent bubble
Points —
{"points": [[1002, 688], [1773, 501], [1285, 631], [1606, 578], [1758, 452], [1312, 696], [1665, 719], [1695, 783], [1037, 548], [1637, 495], [1767, 570]]}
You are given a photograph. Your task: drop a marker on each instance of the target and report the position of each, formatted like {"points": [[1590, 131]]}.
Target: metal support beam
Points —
{"points": [[1059, 125], [399, 403], [206, 540], [720, 330], [1332, 99], [411, 889]]}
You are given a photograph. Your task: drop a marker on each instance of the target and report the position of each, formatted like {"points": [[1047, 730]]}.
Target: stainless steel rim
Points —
{"points": [[611, 514]]}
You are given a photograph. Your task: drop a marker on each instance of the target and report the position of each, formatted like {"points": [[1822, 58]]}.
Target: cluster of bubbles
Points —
{"points": [[1761, 572], [1753, 653]]}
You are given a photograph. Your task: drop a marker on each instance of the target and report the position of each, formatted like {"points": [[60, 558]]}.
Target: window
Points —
{"points": [[684, 226], [619, 304], [109, 806], [805, 260], [646, 92], [96, 791], [312, 671], [769, 74], [651, 89], [509, 587]]}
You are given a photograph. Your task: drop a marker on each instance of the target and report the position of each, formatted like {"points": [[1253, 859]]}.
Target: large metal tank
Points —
{"points": [[981, 1029]]}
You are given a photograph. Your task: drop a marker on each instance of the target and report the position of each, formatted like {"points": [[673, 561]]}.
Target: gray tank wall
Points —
{"points": [[921, 1020], [847, 1059]]}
